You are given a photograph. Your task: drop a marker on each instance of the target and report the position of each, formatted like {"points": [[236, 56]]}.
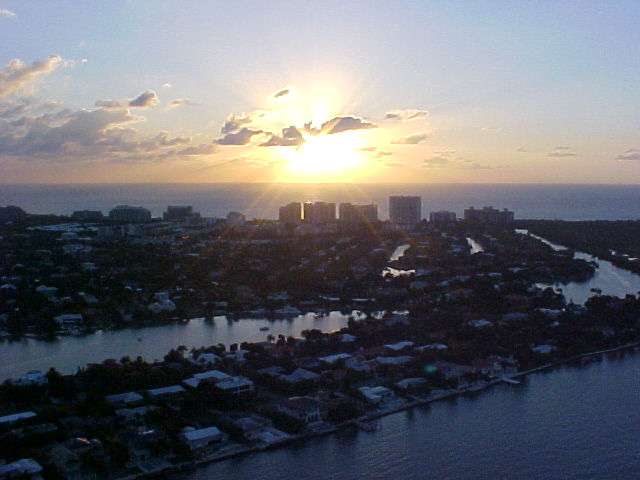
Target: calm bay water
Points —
{"points": [[261, 200], [66, 354], [570, 423]]}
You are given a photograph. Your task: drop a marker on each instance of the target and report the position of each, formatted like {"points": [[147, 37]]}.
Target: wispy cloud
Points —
{"points": [[6, 13], [283, 93], [406, 115], [631, 154], [241, 137], [413, 139], [435, 162], [561, 152], [182, 101]]}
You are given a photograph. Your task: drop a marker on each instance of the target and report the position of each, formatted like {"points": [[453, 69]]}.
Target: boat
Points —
{"points": [[264, 329]]}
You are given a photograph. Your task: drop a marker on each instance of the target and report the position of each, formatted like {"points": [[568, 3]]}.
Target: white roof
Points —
{"points": [[215, 375], [127, 397], [334, 358], [17, 416], [202, 433], [154, 392], [399, 345], [234, 382]]}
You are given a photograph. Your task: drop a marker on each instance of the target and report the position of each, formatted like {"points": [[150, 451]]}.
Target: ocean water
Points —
{"points": [[261, 200]]}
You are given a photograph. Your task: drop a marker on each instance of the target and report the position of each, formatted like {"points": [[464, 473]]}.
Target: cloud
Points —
{"points": [[406, 115], [343, 124], [384, 153], [561, 152], [167, 85], [241, 137], [202, 149], [15, 74], [109, 104], [283, 93], [6, 13], [631, 154], [291, 137], [182, 101], [394, 164], [521, 150], [146, 99], [491, 129], [479, 166], [368, 149], [234, 122], [413, 139], [435, 162]]}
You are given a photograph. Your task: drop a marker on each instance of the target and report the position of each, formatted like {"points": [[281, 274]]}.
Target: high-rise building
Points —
{"points": [[350, 213], [488, 215], [291, 213], [405, 209], [180, 213], [129, 214], [442, 216], [319, 212]]}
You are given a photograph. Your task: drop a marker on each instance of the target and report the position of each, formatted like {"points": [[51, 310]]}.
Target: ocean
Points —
{"points": [[261, 200]]}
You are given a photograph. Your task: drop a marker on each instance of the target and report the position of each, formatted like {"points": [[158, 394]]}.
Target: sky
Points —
{"points": [[319, 91]]}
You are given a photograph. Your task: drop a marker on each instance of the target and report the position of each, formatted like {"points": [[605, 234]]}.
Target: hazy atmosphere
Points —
{"points": [[166, 91]]}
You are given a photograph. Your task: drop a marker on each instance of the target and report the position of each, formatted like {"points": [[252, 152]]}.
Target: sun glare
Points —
{"points": [[326, 155]]}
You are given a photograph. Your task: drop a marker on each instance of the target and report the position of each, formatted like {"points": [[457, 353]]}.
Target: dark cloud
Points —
{"points": [[291, 137], [631, 154], [406, 115], [281, 93], [241, 137], [343, 124], [308, 128], [146, 99], [15, 74], [413, 139], [235, 122]]}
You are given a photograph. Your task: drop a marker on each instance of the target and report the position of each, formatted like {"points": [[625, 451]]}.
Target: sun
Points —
{"points": [[324, 156]]}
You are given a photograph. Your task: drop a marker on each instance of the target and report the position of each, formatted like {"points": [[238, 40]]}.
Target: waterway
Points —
{"points": [[607, 279], [574, 422], [66, 354]]}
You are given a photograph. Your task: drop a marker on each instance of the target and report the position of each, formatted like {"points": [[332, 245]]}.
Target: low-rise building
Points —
{"points": [[200, 439], [305, 409], [377, 395]]}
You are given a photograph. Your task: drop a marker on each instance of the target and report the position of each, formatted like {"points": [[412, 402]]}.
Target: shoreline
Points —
{"points": [[417, 402]]}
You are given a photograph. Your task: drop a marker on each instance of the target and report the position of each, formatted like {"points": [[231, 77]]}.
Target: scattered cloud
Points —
{"points": [[413, 139], [561, 152], [406, 115], [109, 104], [6, 13], [241, 137], [435, 162], [16, 74], [167, 85], [384, 153], [84, 60], [283, 93], [202, 149], [521, 150], [291, 137], [235, 122], [491, 129], [368, 149], [147, 99], [343, 124], [394, 164], [631, 154], [182, 101], [479, 166]]}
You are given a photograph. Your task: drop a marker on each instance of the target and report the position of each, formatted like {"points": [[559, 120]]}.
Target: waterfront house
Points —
{"points": [[305, 409], [199, 440], [376, 395], [410, 383]]}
